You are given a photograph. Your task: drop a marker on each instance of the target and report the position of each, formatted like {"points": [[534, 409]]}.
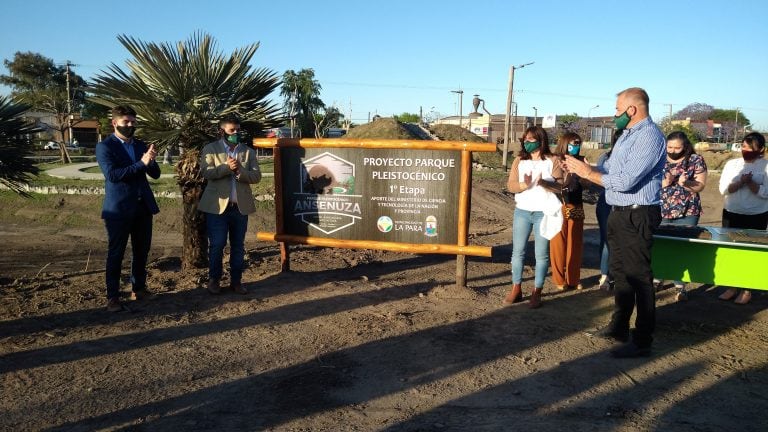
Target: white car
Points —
{"points": [[53, 145]]}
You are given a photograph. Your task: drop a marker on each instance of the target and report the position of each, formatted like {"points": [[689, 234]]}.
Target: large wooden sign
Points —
{"points": [[407, 196], [377, 194]]}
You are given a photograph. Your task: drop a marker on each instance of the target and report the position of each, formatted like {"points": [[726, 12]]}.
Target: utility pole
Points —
{"points": [[349, 120], [736, 125], [510, 97]]}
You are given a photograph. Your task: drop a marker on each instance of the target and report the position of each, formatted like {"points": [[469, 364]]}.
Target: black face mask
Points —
{"points": [[126, 131], [675, 156]]}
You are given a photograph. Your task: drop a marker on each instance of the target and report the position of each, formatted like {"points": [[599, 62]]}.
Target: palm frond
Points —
{"points": [[180, 90], [15, 168]]}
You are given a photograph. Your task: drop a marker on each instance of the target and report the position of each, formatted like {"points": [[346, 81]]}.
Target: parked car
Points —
{"points": [[281, 132], [335, 133], [53, 145]]}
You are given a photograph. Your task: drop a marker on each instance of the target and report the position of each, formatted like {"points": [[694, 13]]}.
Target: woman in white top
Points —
{"points": [[744, 183], [532, 178]]}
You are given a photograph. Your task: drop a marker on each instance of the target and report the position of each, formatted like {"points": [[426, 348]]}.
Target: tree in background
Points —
{"points": [[92, 110], [568, 123], [697, 112], [325, 119], [38, 82], [301, 91], [180, 91], [693, 134], [408, 118], [15, 167], [733, 121]]}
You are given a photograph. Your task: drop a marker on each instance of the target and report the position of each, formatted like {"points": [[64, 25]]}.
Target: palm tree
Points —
{"points": [[15, 146], [179, 92]]}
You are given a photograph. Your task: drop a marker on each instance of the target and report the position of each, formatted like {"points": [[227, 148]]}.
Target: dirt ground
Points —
{"points": [[351, 339]]}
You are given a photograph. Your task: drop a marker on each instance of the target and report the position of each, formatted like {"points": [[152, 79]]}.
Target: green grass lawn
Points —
{"points": [[162, 185], [266, 166]]}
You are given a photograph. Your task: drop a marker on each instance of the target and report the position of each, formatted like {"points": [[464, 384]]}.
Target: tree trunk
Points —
{"points": [[195, 250], [64, 154]]}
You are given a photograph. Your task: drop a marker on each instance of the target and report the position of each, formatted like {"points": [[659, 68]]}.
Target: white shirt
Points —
{"points": [[233, 182], [535, 197], [743, 201]]}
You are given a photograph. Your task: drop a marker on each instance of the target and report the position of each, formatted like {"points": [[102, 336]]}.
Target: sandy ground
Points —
{"points": [[351, 340]]}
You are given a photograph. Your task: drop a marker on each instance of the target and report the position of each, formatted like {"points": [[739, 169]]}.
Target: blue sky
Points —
{"points": [[399, 56]]}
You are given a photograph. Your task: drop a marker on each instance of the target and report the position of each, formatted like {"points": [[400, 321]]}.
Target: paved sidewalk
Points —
{"points": [[75, 171]]}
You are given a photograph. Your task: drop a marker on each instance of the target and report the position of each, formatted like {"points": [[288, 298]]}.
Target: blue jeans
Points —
{"points": [[525, 222], [234, 224], [685, 220], [602, 210]]}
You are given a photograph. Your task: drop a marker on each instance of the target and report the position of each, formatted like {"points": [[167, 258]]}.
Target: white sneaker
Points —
{"points": [[658, 285], [604, 284]]}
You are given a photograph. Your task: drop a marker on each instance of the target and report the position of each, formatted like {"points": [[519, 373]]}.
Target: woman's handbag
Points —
{"points": [[574, 213]]}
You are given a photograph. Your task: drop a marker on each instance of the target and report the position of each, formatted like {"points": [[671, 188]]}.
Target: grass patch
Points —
{"points": [[46, 180], [266, 165], [51, 210], [161, 185]]}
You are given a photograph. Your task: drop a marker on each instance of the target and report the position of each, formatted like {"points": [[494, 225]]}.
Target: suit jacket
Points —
{"points": [[214, 168], [126, 185]]}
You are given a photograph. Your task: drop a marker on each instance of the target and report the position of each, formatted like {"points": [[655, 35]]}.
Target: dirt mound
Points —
{"points": [[382, 128]]}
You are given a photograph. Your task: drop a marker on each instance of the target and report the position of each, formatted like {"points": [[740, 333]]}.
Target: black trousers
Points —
{"points": [[139, 228], [630, 238], [736, 220]]}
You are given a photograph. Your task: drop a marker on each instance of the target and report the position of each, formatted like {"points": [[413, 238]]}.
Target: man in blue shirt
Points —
{"points": [[632, 181]]}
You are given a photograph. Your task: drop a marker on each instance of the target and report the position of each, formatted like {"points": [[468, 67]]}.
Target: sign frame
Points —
{"points": [[460, 249]]}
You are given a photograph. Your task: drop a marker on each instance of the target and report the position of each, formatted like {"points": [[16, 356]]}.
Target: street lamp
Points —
{"points": [[461, 96], [535, 115], [510, 97], [589, 113]]}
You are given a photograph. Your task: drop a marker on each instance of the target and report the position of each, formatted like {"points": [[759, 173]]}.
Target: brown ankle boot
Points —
{"points": [[535, 300], [514, 295]]}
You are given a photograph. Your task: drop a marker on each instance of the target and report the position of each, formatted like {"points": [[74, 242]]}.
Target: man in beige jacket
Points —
{"points": [[230, 167]]}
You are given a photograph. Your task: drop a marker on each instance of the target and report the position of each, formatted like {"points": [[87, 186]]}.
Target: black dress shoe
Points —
{"points": [[630, 350], [608, 333]]}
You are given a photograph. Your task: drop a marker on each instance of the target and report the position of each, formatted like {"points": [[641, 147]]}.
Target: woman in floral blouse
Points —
{"points": [[685, 175]]}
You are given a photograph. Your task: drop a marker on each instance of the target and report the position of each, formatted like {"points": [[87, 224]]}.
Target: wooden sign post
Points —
{"points": [[403, 196]]}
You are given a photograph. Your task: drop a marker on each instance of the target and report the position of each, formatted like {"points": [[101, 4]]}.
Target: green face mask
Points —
{"points": [[232, 139], [621, 121], [530, 146]]}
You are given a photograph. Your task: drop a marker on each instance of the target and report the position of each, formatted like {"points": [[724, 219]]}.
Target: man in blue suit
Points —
{"points": [[128, 203]]}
